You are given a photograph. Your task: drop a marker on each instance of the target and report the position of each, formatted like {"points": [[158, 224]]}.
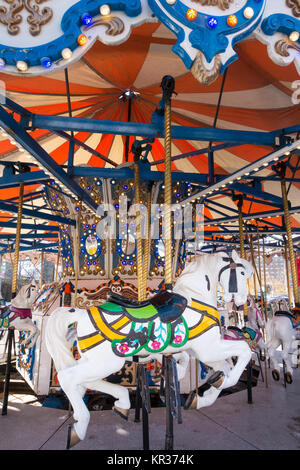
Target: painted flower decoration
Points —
{"points": [[178, 339], [123, 348], [156, 345]]}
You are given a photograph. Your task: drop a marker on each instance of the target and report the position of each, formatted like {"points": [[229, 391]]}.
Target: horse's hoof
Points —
{"points": [[288, 378], [73, 438], [121, 412], [191, 401], [275, 375], [217, 379]]}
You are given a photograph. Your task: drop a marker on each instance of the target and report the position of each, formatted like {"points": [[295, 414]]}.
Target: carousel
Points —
{"points": [[149, 152]]}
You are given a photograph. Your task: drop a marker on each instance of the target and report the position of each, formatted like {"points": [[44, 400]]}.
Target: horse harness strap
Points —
{"points": [[232, 277], [6, 319]]}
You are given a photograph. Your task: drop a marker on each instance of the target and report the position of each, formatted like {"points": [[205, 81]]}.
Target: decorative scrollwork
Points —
{"points": [[281, 47], [114, 25], [37, 18], [202, 73], [222, 4], [295, 6]]}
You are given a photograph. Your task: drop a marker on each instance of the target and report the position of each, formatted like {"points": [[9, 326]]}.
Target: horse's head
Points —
{"points": [[282, 305], [233, 274], [26, 295]]}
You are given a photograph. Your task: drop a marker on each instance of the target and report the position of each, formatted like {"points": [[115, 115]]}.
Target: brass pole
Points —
{"points": [[42, 267], [242, 247], [286, 256], [254, 266], [57, 265], [139, 242], [147, 245], [287, 220], [14, 285], [168, 89], [265, 275], [263, 306], [77, 261]]}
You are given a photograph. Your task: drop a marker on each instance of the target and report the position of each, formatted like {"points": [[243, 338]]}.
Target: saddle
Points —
{"points": [[293, 317], [168, 306]]}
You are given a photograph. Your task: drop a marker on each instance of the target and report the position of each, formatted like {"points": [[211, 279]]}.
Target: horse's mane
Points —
{"points": [[204, 264]]}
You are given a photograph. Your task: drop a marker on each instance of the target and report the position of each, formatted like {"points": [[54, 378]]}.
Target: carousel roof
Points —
{"points": [[122, 83]]}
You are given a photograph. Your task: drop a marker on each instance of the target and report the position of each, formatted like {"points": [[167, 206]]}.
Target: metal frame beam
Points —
{"points": [[28, 143]]}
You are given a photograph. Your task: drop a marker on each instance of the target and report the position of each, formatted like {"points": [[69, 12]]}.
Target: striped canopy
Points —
{"points": [[257, 96]]}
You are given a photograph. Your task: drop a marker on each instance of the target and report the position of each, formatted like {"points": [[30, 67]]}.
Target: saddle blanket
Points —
{"points": [[152, 335]]}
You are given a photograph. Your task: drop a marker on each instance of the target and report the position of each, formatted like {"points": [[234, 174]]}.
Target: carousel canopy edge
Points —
{"points": [[38, 39]]}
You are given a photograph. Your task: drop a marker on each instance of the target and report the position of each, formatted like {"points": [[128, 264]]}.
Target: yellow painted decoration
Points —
{"points": [[210, 318]]}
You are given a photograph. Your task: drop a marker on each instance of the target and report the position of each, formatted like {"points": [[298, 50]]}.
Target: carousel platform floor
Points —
{"points": [[272, 422]]}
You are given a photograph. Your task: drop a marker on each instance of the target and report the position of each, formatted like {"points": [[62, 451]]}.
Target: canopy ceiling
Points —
{"points": [[257, 96]]}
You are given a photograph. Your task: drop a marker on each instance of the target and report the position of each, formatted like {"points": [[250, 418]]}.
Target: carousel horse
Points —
{"points": [[185, 319], [18, 314], [251, 331], [281, 332]]}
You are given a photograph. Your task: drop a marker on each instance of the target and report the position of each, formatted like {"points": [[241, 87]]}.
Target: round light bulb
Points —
{"points": [[22, 65], [82, 39], [171, 2], [105, 10], [66, 53], [248, 13], [232, 20], [294, 36], [191, 14]]}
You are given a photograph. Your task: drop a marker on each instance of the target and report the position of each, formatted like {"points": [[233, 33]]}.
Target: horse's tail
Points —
{"points": [[55, 334]]}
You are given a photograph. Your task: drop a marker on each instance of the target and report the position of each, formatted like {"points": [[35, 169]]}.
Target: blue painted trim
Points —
{"points": [[71, 25], [280, 22], [210, 41], [57, 123]]}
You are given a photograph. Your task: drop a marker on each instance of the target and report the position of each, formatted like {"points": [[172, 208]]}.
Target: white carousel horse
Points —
{"points": [[18, 313], [281, 331], [251, 331], [185, 320]]}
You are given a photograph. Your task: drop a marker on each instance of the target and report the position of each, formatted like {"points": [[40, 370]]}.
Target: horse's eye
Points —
{"points": [[242, 272]]}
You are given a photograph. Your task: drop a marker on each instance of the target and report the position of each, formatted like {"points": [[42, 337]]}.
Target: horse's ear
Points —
{"points": [[235, 256]]}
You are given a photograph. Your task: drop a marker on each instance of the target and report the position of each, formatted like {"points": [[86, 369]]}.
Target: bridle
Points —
{"points": [[28, 290], [232, 277]]}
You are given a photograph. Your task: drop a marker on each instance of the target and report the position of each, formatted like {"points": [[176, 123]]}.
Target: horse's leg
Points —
{"points": [[33, 334], [182, 361], [74, 378], [122, 404], [26, 325], [272, 346], [224, 378], [286, 348]]}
